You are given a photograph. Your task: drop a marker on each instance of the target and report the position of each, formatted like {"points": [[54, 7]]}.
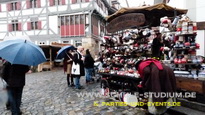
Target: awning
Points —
{"points": [[162, 8], [152, 13]]}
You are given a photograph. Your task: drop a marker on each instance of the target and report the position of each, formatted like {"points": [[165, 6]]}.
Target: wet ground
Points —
{"points": [[47, 93]]}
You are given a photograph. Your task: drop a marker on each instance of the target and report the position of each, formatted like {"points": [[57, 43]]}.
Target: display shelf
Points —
{"points": [[120, 82], [186, 48], [187, 63], [187, 34], [119, 76]]}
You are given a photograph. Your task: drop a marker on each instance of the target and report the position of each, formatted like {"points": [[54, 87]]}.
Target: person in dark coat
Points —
{"points": [[67, 65], [156, 77], [78, 59], [16, 81], [89, 66], [156, 46]]}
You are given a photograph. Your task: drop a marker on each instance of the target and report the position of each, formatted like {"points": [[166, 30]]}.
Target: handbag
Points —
{"points": [[3, 92], [3, 83], [75, 70]]}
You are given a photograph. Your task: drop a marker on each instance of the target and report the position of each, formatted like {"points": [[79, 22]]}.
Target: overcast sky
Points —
{"points": [[135, 3]]}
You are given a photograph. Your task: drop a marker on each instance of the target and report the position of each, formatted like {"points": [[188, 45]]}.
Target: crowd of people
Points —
{"points": [[86, 66], [14, 75]]}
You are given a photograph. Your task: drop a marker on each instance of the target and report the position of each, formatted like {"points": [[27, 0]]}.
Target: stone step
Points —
{"points": [[183, 111]]}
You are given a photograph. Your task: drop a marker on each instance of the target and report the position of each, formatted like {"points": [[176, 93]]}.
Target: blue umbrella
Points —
{"points": [[62, 52], [21, 51]]}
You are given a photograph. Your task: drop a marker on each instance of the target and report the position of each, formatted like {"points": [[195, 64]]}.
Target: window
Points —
{"points": [[42, 43], [77, 19], [56, 2], [59, 2], [74, 1], [14, 6], [67, 20], [78, 43], [62, 20], [72, 20], [72, 25], [33, 4], [94, 25], [14, 26], [34, 25], [66, 42], [102, 28], [82, 19]]}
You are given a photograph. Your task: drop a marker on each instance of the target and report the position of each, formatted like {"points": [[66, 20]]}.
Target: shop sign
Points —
{"points": [[126, 21]]}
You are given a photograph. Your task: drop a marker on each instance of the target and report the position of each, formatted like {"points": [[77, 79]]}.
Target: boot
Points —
{"points": [[68, 81]]}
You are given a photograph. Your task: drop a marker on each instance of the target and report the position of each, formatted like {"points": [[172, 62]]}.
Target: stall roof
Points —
{"points": [[156, 11], [54, 45]]}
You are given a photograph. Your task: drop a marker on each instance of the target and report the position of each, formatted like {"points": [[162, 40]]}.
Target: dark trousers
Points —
{"points": [[15, 95], [8, 106], [70, 79]]}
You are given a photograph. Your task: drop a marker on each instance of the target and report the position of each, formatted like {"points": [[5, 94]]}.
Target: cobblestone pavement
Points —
{"points": [[47, 93]]}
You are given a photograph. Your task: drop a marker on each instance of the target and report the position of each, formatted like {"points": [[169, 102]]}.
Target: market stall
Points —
{"points": [[132, 34], [50, 52]]}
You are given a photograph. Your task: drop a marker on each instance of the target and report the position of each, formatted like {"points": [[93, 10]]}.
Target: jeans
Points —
{"points": [[77, 82], [88, 74], [15, 95]]}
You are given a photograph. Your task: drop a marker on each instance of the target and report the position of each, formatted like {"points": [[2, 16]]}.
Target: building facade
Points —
{"points": [[77, 22]]}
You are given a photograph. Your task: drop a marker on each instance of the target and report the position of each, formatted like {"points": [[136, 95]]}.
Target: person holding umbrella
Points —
{"points": [[19, 54], [16, 82], [66, 53], [67, 64]]}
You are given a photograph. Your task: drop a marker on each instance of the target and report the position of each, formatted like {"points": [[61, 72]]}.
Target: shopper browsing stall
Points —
{"points": [[89, 66]]}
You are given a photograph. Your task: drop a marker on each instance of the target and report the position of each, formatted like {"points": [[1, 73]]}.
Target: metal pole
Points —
{"points": [[127, 3]]}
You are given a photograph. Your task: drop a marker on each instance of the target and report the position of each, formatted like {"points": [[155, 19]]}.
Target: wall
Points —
{"points": [[53, 24], [200, 9]]}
